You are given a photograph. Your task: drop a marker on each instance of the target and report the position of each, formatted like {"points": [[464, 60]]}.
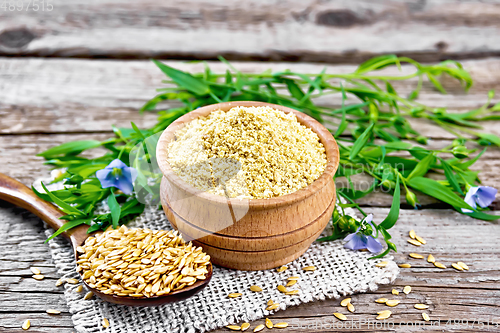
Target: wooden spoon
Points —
{"points": [[18, 194]]}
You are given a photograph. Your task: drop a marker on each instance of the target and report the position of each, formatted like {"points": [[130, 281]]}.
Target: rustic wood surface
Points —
{"points": [[292, 30], [45, 102]]}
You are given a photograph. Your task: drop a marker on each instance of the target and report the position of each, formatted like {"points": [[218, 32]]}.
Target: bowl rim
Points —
{"points": [[326, 138]]}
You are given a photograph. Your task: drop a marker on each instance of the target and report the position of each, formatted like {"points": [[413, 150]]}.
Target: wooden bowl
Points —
{"points": [[249, 234]]}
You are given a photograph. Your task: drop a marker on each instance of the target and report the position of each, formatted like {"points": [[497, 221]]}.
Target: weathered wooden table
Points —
{"points": [[46, 98]]}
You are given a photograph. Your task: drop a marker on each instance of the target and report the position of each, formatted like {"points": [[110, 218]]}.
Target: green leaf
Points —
{"points": [[423, 166], [490, 137], [343, 123], [67, 226], [438, 191], [356, 194], [466, 165], [393, 215], [115, 209], [195, 85], [450, 176], [73, 147], [63, 205], [482, 216], [361, 142], [381, 255], [436, 83], [377, 63]]}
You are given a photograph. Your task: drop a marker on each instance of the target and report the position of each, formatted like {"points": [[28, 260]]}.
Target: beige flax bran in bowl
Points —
{"points": [[253, 152]]}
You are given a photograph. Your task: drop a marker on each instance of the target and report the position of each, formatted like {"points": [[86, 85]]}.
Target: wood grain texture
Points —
{"points": [[292, 30], [78, 99], [450, 294], [74, 96]]}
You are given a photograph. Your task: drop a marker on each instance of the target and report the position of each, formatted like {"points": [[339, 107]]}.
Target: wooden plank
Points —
{"points": [[40, 322], [292, 30], [449, 293], [88, 96]]}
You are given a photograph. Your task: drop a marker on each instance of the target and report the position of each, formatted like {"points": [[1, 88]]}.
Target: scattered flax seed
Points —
{"points": [[79, 289], [405, 265], [256, 289], [414, 242], [140, 262], [350, 307], [88, 296], [416, 256], [281, 269], [269, 323], [35, 271], [384, 315], [270, 302], [234, 327], [292, 292], [53, 312], [392, 302], [105, 323], [340, 316], [345, 301], [26, 325], [381, 300], [60, 282], [271, 153], [245, 326], [395, 292], [421, 306], [281, 325], [282, 288], [412, 234], [425, 316], [293, 278], [258, 328], [439, 265], [457, 267], [431, 259], [273, 307], [38, 277], [420, 240], [382, 264], [407, 290], [234, 295], [309, 268], [291, 283], [463, 265]]}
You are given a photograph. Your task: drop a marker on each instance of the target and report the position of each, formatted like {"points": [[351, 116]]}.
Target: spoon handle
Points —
{"points": [[18, 194]]}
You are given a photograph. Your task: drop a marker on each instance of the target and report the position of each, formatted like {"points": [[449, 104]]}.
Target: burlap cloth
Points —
{"points": [[339, 272]]}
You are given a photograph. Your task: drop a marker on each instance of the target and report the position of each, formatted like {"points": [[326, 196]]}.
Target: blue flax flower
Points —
{"points": [[360, 241], [479, 195], [118, 174]]}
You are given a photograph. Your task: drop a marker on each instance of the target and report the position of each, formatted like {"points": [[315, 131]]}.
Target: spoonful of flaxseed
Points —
{"points": [[124, 266]]}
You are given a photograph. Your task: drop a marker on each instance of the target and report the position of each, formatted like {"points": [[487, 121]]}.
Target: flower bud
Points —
{"points": [[411, 199], [343, 223], [458, 142], [335, 216], [421, 139], [368, 230], [353, 224], [388, 184], [460, 152]]}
